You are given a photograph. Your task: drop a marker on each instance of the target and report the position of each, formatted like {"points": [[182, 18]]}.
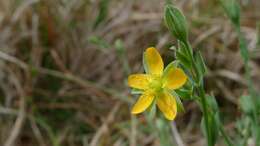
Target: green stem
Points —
{"points": [[246, 57], [201, 93], [205, 111]]}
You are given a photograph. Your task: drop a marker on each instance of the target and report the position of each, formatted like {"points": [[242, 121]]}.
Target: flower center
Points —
{"points": [[156, 83]]}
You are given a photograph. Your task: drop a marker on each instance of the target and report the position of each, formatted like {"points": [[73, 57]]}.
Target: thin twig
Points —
{"points": [[104, 128], [21, 115]]}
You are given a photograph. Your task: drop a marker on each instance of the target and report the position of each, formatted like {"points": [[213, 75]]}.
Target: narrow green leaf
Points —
{"points": [[214, 127], [200, 63], [243, 47], [122, 54], [184, 93], [180, 107], [200, 67], [185, 49], [183, 59], [174, 63], [211, 101], [103, 11], [136, 91], [232, 9], [203, 128]]}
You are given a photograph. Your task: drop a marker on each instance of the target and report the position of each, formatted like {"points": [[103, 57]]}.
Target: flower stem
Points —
{"points": [[201, 93], [206, 112]]}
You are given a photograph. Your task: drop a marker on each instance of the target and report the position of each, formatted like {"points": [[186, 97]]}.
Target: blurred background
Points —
{"points": [[64, 65]]}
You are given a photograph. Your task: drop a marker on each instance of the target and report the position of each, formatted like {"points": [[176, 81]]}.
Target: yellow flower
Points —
{"points": [[156, 84]]}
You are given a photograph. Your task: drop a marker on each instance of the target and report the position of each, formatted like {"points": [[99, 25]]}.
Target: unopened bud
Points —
{"points": [[176, 22]]}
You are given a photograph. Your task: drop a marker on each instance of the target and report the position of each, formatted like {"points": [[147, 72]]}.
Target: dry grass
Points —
{"points": [[58, 87]]}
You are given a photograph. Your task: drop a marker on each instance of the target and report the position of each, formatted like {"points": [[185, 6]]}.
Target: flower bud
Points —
{"points": [[176, 22]]}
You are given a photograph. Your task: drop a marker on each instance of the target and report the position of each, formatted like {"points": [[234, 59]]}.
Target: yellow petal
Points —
{"points": [[167, 104], [143, 102], [174, 78], [139, 81], [153, 61]]}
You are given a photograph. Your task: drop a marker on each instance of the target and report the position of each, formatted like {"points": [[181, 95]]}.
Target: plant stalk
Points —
{"points": [[205, 111], [252, 92], [201, 94]]}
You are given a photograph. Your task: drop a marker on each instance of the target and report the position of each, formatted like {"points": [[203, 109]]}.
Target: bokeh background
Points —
{"points": [[64, 65]]}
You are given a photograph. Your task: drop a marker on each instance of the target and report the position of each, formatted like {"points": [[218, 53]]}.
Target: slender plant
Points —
{"points": [[249, 104], [195, 67], [184, 79]]}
